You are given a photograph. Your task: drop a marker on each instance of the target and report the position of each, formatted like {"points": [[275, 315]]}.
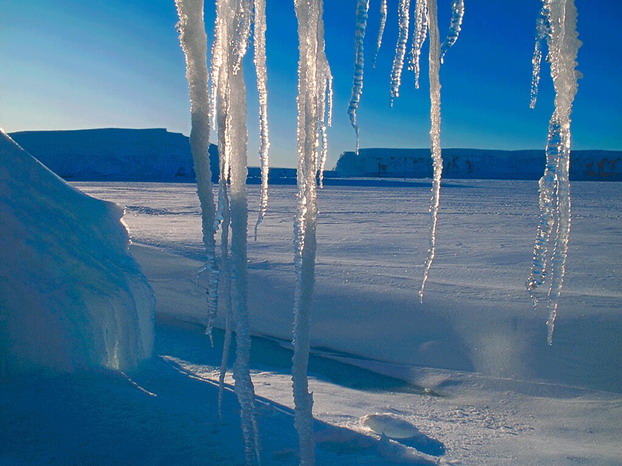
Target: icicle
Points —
{"points": [[419, 35], [457, 13], [542, 31], [313, 88], [243, 18], [435, 134], [400, 48], [223, 200], [262, 90], [383, 21], [193, 41], [362, 7], [553, 232], [232, 135]]}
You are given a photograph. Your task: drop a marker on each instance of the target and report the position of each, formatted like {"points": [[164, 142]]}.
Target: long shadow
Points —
{"points": [[272, 354], [192, 345]]}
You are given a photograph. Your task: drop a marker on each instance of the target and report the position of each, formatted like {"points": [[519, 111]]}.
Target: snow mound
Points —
{"points": [[71, 297], [389, 425]]}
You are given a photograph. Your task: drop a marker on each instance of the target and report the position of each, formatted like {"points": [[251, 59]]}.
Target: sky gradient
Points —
{"points": [[68, 64]]}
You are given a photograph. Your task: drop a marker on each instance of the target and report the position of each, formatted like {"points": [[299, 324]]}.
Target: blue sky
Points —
{"points": [[69, 64]]}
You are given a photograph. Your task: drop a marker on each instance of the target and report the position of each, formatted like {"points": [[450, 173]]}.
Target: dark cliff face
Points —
{"points": [[585, 165], [115, 154]]}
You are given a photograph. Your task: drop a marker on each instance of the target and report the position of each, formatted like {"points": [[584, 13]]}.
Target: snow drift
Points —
{"points": [[585, 165], [71, 297]]}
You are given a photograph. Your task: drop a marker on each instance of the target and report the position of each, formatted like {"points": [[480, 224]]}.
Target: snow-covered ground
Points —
{"points": [[469, 368]]}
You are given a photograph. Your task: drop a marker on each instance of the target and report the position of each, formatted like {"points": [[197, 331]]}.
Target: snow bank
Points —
{"points": [[585, 165], [71, 297]]}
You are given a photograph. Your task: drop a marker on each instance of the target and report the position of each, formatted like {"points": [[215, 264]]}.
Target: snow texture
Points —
{"points": [[553, 232], [71, 296]]}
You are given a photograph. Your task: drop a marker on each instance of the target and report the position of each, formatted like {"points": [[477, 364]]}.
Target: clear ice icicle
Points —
{"points": [[400, 48], [262, 90], [313, 90], [457, 14], [553, 232], [542, 31], [419, 36], [435, 135], [232, 137], [362, 8], [193, 40], [383, 22]]}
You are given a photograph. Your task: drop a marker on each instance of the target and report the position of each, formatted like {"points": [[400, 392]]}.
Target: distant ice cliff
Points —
{"points": [[594, 165]]}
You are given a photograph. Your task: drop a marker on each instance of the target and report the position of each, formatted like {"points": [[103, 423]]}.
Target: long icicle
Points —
{"points": [[193, 40], [362, 8], [262, 90], [383, 22], [457, 14], [400, 48], [313, 70], [435, 135], [419, 36], [553, 233], [231, 110], [542, 31]]}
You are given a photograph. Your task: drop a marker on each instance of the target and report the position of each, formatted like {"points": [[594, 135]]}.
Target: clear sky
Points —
{"points": [[67, 64]]}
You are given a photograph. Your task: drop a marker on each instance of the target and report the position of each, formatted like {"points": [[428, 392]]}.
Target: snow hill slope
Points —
{"points": [[71, 296], [585, 165]]}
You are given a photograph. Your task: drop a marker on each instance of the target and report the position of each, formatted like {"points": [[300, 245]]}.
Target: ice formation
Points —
{"points": [[233, 25], [383, 22], [400, 48], [435, 135], [457, 14], [552, 236], [419, 36], [313, 83], [542, 30], [71, 296], [262, 89], [362, 7], [193, 40]]}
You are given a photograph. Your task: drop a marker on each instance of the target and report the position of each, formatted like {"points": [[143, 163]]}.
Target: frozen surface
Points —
{"points": [[71, 296], [469, 369], [477, 314]]}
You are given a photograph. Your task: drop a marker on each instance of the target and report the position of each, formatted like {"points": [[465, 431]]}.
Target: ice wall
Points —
{"points": [[586, 165], [115, 154], [71, 297]]}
